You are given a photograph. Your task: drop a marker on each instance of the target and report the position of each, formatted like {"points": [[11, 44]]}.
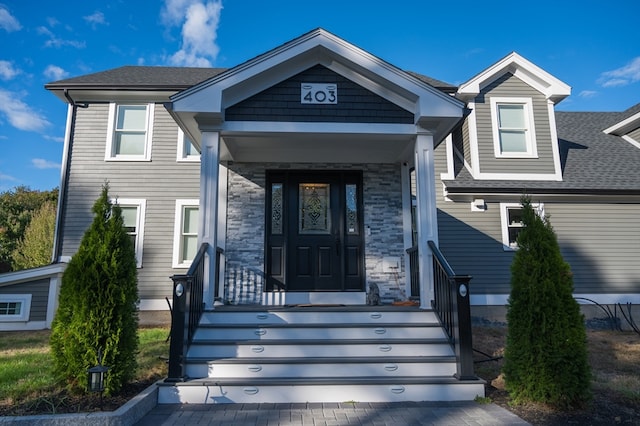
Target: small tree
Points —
{"points": [[546, 351], [97, 304], [36, 246]]}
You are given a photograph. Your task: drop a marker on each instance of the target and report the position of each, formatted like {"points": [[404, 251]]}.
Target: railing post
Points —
{"points": [[463, 339], [178, 329]]}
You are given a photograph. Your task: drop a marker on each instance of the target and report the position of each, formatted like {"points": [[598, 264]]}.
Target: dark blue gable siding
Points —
{"points": [[282, 103]]}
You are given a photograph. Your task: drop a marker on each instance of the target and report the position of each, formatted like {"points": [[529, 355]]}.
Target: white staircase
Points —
{"points": [[319, 354]]}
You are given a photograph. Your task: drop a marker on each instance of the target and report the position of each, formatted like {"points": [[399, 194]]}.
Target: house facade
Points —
{"points": [[312, 169]]}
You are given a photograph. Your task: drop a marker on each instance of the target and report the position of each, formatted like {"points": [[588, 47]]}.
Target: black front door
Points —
{"points": [[314, 231]]}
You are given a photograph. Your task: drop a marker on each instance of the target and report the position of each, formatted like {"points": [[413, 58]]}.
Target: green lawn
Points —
{"points": [[26, 364]]}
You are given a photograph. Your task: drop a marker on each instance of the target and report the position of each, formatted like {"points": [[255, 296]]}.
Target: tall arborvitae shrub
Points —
{"points": [[97, 304], [546, 351]]}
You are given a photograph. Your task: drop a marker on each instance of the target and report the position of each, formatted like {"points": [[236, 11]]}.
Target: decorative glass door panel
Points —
{"points": [[314, 235], [314, 208]]}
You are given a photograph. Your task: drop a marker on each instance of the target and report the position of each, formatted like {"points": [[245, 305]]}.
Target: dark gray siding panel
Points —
{"points": [[510, 86], [39, 290], [466, 142], [472, 243], [282, 103], [160, 182]]}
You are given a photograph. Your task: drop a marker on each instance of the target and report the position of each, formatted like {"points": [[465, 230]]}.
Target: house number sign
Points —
{"points": [[318, 93]]}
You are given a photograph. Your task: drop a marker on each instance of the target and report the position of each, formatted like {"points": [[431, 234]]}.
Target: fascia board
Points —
{"points": [[335, 53], [624, 126], [535, 76]]}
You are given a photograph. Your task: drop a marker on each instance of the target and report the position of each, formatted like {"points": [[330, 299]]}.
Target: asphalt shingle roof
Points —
{"points": [[140, 77], [592, 161]]}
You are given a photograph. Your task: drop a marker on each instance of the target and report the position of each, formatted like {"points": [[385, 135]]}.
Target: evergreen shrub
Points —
{"points": [[546, 351], [97, 304]]}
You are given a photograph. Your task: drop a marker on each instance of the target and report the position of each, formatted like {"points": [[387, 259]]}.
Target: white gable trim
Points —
{"points": [[624, 126], [528, 72]]}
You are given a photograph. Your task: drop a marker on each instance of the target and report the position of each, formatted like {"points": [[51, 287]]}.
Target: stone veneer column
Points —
{"points": [[426, 214], [208, 227]]}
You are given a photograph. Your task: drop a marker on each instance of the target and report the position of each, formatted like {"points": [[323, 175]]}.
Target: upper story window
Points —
{"points": [[185, 235], [187, 151], [133, 214], [511, 217], [130, 132], [513, 128]]}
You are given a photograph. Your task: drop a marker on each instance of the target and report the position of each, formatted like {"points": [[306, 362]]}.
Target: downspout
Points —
{"points": [[64, 173]]}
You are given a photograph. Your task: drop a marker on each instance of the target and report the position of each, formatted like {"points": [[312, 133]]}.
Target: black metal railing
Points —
{"points": [[451, 304], [414, 267], [188, 305]]}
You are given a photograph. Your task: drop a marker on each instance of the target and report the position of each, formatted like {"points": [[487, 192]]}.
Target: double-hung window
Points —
{"points": [[133, 214], [513, 127], [511, 217], [185, 235], [187, 151], [130, 132]]}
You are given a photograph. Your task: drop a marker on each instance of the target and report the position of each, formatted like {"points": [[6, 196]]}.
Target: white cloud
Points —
{"points": [[622, 76], [57, 42], [54, 72], [199, 21], [7, 21], [587, 94], [41, 163], [54, 138], [8, 71], [19, 114], [95, 19]]}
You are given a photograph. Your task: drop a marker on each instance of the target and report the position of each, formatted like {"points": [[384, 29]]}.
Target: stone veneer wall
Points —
{"points": [[244, 278]]}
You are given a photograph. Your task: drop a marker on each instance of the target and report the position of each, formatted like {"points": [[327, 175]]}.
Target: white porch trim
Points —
{"points": [[209, 191], [426, 213]]}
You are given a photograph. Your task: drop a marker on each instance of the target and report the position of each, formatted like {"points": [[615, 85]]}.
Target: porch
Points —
{"points": [[320, 353]]}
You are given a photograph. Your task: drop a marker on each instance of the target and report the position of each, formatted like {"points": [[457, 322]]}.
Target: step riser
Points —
{"points": [[317, 393], [291, 333], [388, 369], [317, 317], [265, 350]]}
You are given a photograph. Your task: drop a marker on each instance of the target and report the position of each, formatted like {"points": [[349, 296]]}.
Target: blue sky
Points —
{"points": [[593, 47]]}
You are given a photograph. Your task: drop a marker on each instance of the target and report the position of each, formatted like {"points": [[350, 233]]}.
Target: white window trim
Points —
{"points": [[177, 231], [25, 307], [181, 155], [141, 204], [504, 216], [109, 154], [530, 134]]}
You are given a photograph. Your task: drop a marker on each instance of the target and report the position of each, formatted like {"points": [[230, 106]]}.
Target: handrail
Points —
{"points": [[188, 305], [451, 304], [414, 270]]}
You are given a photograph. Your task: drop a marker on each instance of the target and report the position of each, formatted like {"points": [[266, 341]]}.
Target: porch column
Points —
{"points": [[208, 227], [426, 214]]}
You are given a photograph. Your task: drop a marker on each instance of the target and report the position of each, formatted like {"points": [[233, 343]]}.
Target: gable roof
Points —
{"points": [[593, 162], [525, 70]]}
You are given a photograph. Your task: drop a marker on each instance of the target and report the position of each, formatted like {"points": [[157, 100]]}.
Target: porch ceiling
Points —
{"points": [[316, 147]]}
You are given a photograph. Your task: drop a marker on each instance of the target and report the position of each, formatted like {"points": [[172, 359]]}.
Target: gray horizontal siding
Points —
{"points": [[600, 241], [635, 134], [160, 182], [510, 86], [39, 290]]}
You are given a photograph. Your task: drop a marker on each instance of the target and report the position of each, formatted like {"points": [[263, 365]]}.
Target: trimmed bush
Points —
{"points": [[97, 304], [546, 351]]}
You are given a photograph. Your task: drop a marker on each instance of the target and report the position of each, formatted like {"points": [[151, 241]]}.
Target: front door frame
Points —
{"points": [[278, 246]]}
